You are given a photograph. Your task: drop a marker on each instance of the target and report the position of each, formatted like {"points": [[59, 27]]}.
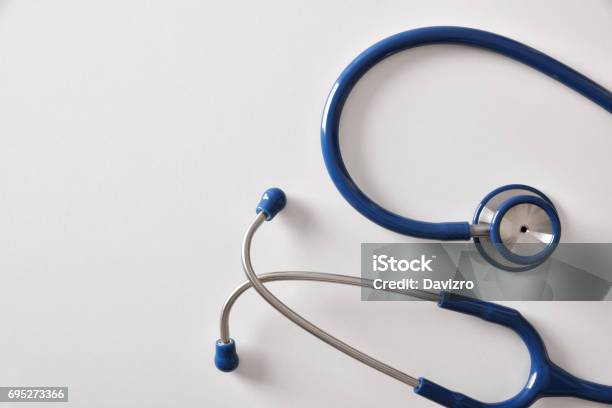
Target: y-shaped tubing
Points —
{"points": [[546, 379]]}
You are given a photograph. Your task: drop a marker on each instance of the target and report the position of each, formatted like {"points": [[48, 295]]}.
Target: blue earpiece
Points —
{"points": [[226, 358], [272, 202]]}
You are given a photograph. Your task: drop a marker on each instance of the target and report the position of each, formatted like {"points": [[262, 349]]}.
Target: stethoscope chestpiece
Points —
{"points": [[516, 228]]}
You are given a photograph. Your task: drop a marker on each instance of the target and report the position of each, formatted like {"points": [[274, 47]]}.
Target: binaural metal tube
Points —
{"points": [[305, 324], [307, 276]]}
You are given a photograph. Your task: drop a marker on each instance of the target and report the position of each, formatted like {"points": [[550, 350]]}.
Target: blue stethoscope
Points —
{"points": [[515, 227]]}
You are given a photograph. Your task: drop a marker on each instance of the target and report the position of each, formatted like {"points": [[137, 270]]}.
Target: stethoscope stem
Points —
{"points": [[480, 230], [302, 322]]}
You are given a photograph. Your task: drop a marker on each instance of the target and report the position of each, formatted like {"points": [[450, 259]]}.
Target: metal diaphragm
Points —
{"points": [[526, 231]]}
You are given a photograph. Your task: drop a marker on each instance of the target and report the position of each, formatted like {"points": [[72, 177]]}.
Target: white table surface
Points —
{"points": [[136, 137]]}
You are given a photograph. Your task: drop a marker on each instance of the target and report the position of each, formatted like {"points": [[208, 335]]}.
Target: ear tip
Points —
{"points": [[226, 358], [273, 200]]}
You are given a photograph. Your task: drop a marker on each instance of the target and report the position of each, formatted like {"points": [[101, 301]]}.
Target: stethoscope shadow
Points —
{"points": [[255, 368]]}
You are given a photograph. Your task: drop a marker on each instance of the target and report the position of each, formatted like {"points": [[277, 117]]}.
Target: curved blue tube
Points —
{"points": [[546, 379], [403, 41]]}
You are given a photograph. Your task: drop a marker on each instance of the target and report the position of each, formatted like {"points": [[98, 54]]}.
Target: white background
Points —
{"points": [[137, 136]]}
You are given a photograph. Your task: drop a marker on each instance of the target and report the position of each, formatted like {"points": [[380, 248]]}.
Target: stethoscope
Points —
{"points": [[505, 218]]}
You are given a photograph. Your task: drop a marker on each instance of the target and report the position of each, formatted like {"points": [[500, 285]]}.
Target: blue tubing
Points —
{"points": [[403, 41], [546, 379]]}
